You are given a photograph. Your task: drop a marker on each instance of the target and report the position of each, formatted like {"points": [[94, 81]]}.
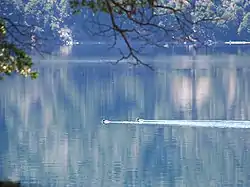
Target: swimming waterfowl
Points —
{"points": [[103, 121]]}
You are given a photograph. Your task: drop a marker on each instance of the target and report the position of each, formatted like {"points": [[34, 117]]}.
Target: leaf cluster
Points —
{"points": [[12, 58]]}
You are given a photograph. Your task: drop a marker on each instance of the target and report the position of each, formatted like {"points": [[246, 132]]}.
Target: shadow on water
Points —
{"points": [[51, 131]]}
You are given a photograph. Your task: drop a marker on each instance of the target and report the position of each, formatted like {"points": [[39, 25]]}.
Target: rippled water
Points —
{"points": [[50, 132]]}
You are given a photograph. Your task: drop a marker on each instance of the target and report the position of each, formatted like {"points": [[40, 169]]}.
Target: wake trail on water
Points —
{"points": [[186, 123]]}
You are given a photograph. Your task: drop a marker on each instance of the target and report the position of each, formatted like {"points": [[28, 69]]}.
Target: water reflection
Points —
{"points": [[51, 133]]}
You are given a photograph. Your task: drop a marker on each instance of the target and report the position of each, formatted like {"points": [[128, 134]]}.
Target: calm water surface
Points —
{"points": [[50, 131]]}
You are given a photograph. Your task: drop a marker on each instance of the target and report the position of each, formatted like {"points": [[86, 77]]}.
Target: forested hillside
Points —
{"points": [[55, 18]]}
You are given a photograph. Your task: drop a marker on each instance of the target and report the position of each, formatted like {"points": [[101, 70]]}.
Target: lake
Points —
{"points": [[50, 132]]}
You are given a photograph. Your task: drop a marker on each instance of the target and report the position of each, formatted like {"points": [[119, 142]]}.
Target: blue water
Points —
{"points": [[50, 132]]}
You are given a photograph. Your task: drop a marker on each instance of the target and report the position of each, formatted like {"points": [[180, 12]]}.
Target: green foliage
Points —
{"points": [[95, 6], [12, 58], [26, 18]]}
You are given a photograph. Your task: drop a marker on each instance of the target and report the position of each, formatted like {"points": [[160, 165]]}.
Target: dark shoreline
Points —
{"points": [[8, 183]]}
